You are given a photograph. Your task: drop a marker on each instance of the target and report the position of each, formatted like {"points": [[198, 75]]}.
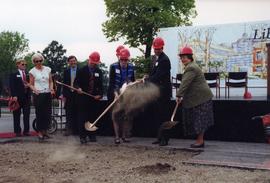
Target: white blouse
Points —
{"points": [[41, 79]]}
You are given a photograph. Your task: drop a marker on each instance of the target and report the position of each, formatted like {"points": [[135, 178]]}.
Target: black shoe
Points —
{"points": [[125, 140], [163, 143], [41, 138], [46, 136], [197, 145], [156, 142], [83, 140], [117, 141]]}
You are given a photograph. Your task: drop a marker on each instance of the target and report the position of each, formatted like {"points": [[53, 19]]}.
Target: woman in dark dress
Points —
{"points": [[196, 98]]}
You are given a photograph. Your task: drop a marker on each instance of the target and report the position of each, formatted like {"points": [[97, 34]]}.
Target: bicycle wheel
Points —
{"points": [[52, 126], [34, 124]]}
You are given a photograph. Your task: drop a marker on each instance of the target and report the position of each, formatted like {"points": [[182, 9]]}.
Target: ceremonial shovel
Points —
{"points": [[169, 124], [91, 126], [76, 89]]}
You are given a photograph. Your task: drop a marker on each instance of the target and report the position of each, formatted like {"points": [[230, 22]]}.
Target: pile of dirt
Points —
{"points": [[157, 169], [67, 161]]}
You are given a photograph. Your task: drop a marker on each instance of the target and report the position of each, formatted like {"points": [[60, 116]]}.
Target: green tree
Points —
{"points": [[12, 46], [54, 55], [142, 66], [28, 59], [138, 21]]}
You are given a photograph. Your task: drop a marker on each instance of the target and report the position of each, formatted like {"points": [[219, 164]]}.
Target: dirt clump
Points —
{"points": [[158, 168]]}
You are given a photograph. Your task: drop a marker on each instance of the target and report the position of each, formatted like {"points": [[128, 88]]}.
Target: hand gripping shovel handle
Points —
{"points": [[174, 111], [58, 82]]}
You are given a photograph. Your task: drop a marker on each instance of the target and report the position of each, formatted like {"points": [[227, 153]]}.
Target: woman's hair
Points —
{"points": [[37, 56], [71, 57]]}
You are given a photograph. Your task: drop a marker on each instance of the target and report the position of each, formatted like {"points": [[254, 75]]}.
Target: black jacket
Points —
{"points": [[16, 85], [82, 80], [161, 75], [67, 80]]}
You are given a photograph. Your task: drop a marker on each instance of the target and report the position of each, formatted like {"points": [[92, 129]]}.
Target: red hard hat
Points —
{"points": [[94, 58], [186, 51], [124, 54], [158, 43], [118, 49]]}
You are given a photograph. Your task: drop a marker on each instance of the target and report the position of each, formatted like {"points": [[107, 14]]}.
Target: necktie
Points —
{"points": [[23, 76], [91, 83]]}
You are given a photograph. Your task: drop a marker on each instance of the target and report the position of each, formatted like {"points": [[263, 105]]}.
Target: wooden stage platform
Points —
{"points": [[233, 121]]}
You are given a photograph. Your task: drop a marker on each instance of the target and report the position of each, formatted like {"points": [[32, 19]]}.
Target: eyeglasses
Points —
{"points": [[23, 64], [38, 61]]}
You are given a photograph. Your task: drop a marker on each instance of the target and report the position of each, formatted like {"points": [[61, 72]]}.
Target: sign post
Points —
{"points": [[268, 70]]}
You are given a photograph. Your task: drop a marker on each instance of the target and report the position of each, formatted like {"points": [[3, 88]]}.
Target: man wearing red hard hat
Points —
{"points": [[160, 75], [121, 72], [89, 79]]}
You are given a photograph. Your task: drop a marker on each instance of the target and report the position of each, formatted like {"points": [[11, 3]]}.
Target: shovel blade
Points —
{"points": [[168, 124], [90, 127]]}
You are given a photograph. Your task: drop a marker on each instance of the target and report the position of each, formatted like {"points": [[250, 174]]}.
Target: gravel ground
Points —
{"points": [[70, 162]]}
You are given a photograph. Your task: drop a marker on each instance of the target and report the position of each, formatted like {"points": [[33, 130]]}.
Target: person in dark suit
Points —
{"points": [[160, 75], [89, 79], [70, 96], [20, 92]]}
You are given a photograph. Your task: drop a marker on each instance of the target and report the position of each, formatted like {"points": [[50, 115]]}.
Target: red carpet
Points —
{"points": [[12, 135]]}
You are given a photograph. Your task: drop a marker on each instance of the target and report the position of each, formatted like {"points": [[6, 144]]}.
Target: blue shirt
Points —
{"points": [[123, 75], [73, 72]]}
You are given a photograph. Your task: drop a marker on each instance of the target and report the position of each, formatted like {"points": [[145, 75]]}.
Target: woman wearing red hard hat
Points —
{"points": [[196, 98], [89, 79]]}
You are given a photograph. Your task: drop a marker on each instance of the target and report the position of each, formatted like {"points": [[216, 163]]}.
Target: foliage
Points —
{"points": [[54, 55], [12, 46], [142, 66], [105, 74], [138, 21], [28, 59]]}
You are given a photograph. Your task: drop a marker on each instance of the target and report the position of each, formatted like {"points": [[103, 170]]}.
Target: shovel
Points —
{"points": [[83, 92], [169, 124], [91, 126]]}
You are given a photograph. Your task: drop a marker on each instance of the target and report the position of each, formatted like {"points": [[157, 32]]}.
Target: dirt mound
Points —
{"points": [[157, 169]]}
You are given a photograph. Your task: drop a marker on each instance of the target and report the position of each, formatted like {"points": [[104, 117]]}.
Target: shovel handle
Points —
{"points": [[174, 111], [113, 102], [102, 114], [76, 89]]}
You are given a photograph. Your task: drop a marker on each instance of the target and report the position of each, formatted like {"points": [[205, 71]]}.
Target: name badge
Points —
{"points": [[156, 64], [18, 76], [96, 74], [117, 71]]}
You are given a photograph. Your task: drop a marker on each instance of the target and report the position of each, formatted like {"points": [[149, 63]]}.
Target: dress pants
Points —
{"points": [[25, 108]]}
